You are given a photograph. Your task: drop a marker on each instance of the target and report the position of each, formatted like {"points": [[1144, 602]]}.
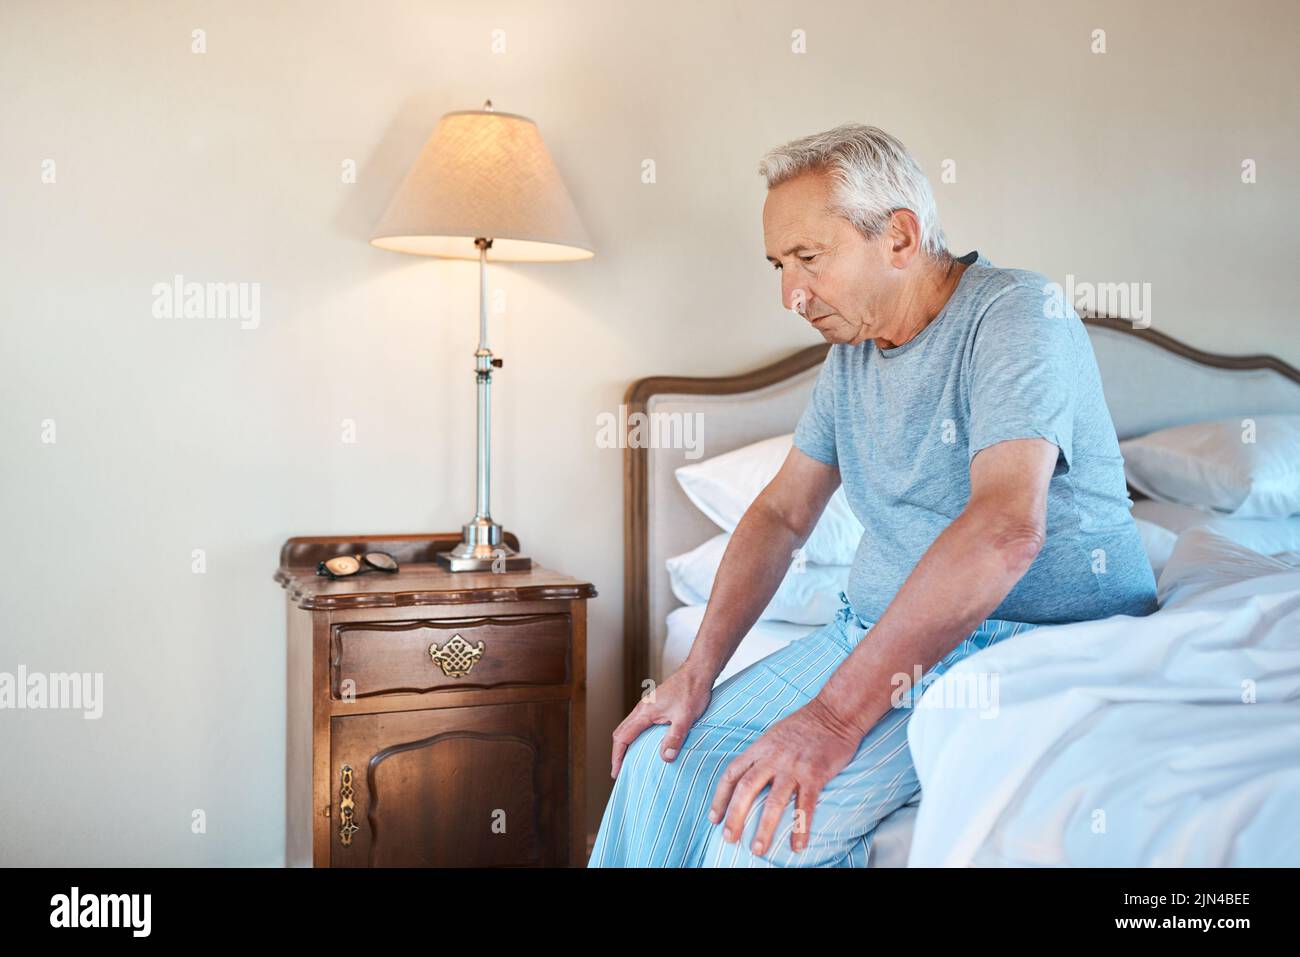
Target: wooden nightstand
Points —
{"points": [[434, 718]]}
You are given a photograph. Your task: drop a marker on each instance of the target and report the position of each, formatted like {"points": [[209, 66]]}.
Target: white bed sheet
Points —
{"points": [[893, 835], [1126, 741]]}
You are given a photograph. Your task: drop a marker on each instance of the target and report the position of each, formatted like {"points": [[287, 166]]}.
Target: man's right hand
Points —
{"points": [[678, 702]]}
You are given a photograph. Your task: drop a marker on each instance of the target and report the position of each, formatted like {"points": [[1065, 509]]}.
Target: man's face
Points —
{"points": [[843, 278]]}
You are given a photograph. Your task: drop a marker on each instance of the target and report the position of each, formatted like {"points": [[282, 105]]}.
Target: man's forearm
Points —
{"points": [[960, 580], [755, 562]]}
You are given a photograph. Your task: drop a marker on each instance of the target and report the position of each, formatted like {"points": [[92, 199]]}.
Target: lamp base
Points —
{"points": [[482, 549]]}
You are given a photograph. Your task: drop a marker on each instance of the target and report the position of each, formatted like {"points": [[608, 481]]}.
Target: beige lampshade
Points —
{"points": [[484, 173]]}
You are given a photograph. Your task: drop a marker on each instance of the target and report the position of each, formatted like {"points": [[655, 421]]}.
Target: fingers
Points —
{"points": [[673, 739], [726, 784], [776, 801], [741, 783], [805, 801], [627, 732], [746, 788], [632, 726]]}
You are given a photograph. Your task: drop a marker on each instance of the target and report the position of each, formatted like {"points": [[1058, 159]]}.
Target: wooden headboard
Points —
{"points": [[1150, 380]]}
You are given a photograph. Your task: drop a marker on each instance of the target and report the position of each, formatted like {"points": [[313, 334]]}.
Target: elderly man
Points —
{"points": [[966, 421]]}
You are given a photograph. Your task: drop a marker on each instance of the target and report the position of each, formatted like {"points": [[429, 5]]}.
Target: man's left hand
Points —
{"points": [[798, 755]]}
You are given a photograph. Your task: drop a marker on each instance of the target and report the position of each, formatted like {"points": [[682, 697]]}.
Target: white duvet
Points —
{"points": [[1128, 741]]}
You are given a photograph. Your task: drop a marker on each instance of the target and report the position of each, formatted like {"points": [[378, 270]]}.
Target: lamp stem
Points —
{"points": [[483, 365], [482, 546]]}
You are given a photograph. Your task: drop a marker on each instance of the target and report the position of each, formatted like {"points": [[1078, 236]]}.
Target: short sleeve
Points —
{"points": [[815, 433], [1024, 364]]}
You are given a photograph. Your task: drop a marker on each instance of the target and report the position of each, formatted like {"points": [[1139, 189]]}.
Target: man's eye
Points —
{"points": [[776, 265], [808, 259]]}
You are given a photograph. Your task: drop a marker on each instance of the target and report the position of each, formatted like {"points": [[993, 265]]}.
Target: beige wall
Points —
{"points": [[175, 435]]}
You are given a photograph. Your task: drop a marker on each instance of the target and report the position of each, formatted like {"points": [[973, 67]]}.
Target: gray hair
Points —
{"points": [[874, 175]]}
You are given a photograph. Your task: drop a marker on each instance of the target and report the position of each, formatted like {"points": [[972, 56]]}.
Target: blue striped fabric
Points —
{"points": [[657, 815]]}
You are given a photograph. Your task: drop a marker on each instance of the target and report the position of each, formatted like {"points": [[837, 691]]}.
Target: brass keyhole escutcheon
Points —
{"points": [[346, 827]]}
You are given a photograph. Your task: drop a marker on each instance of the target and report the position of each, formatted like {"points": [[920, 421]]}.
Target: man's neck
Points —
{"points": [[924, 303]]}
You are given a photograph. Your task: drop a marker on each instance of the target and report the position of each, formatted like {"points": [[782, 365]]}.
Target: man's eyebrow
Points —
{"points": [[790, 252]]}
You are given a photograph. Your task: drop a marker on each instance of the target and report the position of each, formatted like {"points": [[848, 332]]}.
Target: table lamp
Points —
{"points": [[484, 181]]}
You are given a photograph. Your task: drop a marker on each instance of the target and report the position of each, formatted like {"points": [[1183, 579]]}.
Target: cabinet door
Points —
{"points": [[483, 786]]}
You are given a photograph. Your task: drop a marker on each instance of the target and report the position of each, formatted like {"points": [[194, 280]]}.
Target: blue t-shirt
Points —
{"points": [[999, 362]]}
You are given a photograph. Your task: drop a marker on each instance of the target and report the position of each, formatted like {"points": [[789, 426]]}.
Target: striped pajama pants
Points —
{"points": [[657, 815]]}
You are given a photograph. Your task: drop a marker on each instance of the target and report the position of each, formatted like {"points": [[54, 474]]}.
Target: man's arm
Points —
{"points": [[758, 556], [962, 577]]}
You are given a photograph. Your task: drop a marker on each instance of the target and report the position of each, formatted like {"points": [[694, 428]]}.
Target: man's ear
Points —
{"points": [[904, 235]]}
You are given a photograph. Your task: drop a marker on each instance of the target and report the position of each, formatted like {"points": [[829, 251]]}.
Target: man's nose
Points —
{"points": [[795, 298]]}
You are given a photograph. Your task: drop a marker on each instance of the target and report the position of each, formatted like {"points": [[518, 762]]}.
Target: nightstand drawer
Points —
{"points": [[415, 657]]}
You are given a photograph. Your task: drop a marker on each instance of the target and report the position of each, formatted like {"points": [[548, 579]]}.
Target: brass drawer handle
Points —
{"points": [[346, 807], [456, 657]]}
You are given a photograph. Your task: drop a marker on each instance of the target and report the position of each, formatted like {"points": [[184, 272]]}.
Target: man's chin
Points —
{"points": [[844, 333]]}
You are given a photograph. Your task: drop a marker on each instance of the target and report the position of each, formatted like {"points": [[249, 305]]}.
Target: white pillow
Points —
{"points": [[1268, 536], [810, 596], [1158, 542], [724, 486], [1203, 561], [1210, 465]]}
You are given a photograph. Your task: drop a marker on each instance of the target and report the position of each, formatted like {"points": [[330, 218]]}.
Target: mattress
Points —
{"points": [[892, 837], [763, 639]]}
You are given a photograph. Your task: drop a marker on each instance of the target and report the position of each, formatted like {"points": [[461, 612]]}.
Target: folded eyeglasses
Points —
{"points": [[344, 566]]}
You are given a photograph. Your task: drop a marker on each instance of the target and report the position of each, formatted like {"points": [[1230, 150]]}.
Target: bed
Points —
{"points": [[1151, 381]]}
